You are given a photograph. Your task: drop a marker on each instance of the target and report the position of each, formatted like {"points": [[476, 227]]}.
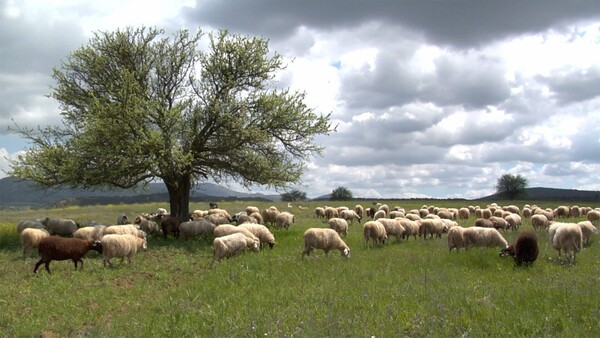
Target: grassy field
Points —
{"points": [[414, 288]]}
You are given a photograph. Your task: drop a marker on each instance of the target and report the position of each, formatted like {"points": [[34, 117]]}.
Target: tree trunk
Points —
{"points": [[179, 197]]}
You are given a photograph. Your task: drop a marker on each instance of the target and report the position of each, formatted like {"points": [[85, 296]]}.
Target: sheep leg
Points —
{"points": [[37, 265]]}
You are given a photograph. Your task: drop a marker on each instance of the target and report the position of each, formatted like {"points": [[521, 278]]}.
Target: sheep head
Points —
{"points": [[96, 246], [509, 251]]}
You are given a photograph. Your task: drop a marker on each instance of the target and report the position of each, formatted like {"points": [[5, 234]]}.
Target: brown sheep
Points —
{"points": [[55, 248]]}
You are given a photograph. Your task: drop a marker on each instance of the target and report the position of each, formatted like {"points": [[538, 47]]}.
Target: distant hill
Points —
{"points": [[553, 194], [14, 193]]}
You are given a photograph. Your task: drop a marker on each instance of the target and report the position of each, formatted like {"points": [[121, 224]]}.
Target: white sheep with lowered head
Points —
{"points": [[126, 229], [339, 224], [392, 228], [456, 238], [228, 229], [411, 228], [324, 239], [568, 239], [350, 215], [121, 246], [375, 231], [191, 229], [587, 229], [264, 235], [231, 245], [432, 227], [484, 237], [284, 220], [30, 238], [539, 221], [92, 232]]}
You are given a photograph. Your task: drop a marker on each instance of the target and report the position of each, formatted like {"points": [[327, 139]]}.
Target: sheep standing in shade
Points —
{"points": [[59, 226], [217, 219], [201, 227], [148, 226], [261, 232], [456, 238], [340, 225], [30, 238], [121, 246], [55, 248], [324, 239], [170, 224], [484, 237], [230, 245], [525, 250], [568, 238], [284, 220], [375, 231]]}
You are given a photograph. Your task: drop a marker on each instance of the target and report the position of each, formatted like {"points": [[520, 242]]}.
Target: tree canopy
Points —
{"points": [[293, 195], [511, 186], [137, 106], [341, 194]]}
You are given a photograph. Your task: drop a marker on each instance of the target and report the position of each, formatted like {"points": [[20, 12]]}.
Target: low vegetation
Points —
{"points": [[414, 288]]}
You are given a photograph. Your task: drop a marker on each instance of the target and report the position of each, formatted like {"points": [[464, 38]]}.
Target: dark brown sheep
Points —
{"points": [[170, 224], [55, 248], [525, 250]]}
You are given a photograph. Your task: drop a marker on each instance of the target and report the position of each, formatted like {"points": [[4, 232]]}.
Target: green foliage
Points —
{"points": [[511, 186], [137, 106], [294, 195], [415, 288], [341, 194]]}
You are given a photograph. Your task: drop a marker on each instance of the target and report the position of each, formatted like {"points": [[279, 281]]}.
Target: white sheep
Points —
{"points": [[201, 227], [539, 221], [514, 221], [217, 219], [252, 209], [360, 210], [258, 217], [263, 233], [379, 214], [30, 238], [392, 227], [568, 238], [331, 212], [339, 224], [484, 237], [148, 226], [324, 239], [93, 232], [217, 211], [587, 229], [320, 212], [228, 229], [593, 216], [121, 246], [269, 215], [284, 220], [198, 214], [376, 231], [230, 245], [350, 215], [456, 238], [432, 227], [126, 229], [464, 213], [411, 228]]}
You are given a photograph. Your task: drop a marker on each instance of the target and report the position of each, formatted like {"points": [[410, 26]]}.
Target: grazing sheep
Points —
{"points": [[228, 229], [331, 212], [593, 216], [413, 217], [263, 233], [526, 212], [484, 223], [385, 208], [121, 246], [456, 238], [269, 215], [549, 214], [340, 225], [379, 214], [198, 214], [319, 212], [217, 219], [392, 228], [251, 209], [486, 213], [148, 226], [525, 250], [499, 223], [376, 231], [360, 211], [59, 226], [433, 227], [350, 215], [587, 229], [370, 212], [201, 227], [411, 228], [126, 229], [514, 221], [446, 214], [94, 232], [55, 248], [539, 221], [122, 219], [33, 224], [562, 211], [230, 245], [568, 238], [258, 217], [244, 218], [170, 224], [217, 211], [284, 220], [464, 213], [324, 239], [484, 237], [396, 214], [30, 238], [513, 209]]}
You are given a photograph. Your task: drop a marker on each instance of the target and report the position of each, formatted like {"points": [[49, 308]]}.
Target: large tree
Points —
{"points": [[511, 186], [341, 193], [293, 196], [138, 106]]}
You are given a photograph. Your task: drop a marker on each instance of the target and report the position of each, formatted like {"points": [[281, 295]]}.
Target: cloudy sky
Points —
{"points": [[431, 98]]}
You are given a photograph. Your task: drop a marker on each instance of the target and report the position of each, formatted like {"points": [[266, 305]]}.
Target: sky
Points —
{"points": [[434, 99]]}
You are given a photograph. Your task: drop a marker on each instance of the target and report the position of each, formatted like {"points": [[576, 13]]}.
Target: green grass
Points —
{"points": [[415, 288]]}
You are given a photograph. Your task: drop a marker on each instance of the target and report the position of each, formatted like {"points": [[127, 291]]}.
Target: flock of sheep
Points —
{"points": [[63, 239]]}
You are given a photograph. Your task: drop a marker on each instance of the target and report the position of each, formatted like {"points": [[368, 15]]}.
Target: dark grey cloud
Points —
{"points": [[575, 86], [459, 23]]}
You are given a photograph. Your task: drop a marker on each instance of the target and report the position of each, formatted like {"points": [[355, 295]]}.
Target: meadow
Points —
{"points": [[416, 288]]}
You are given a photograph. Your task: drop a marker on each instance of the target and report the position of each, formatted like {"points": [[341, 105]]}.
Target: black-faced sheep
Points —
{"points": [[324, 239], [30, 238], [55, 248], [122, 219], [376, 231], [230, 245], [525, 250], [61, 227], [121, 246]]}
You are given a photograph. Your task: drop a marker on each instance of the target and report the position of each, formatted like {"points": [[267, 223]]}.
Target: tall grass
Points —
{"points": [[413, 288]]}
